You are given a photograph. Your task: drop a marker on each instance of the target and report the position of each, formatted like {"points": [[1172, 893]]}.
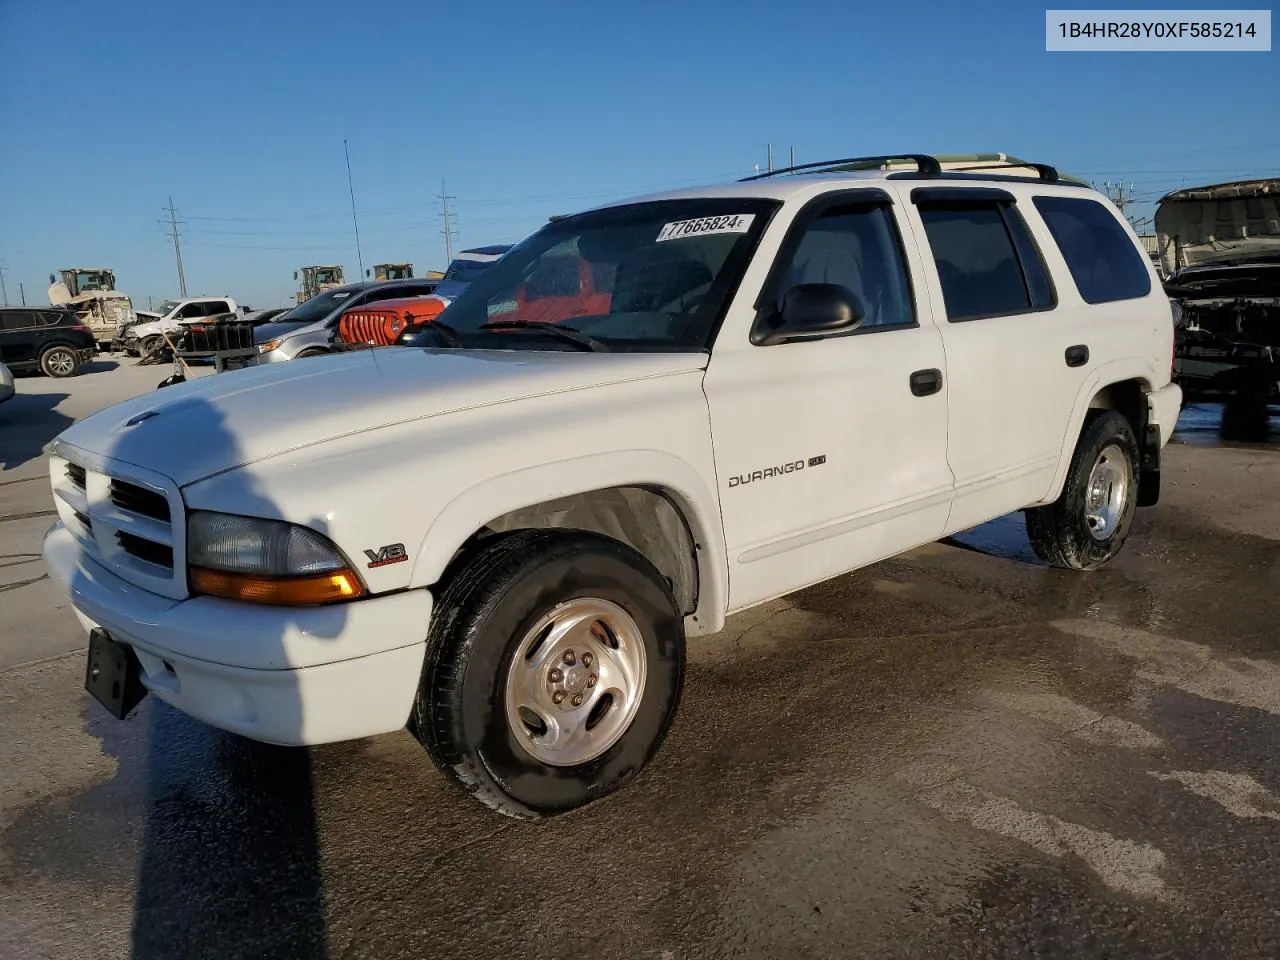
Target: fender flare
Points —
{"points": [[476, 506], [1116, 371]]}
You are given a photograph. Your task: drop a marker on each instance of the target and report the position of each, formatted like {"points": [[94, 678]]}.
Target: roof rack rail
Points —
{"points": [[1047, 173], [927, 165]]}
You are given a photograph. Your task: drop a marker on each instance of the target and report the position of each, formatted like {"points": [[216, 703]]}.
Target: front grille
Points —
{"points": [[75, 473], [136, 499], [147, 550], [84, 520]]}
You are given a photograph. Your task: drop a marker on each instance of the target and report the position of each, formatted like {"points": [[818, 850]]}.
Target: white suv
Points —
{"points": [[645, 418]]}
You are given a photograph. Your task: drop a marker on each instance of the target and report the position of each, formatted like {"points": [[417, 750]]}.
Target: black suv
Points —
{"points": [[50, 339]]}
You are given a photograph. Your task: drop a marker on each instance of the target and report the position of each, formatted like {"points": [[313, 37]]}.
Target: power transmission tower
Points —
{"points": [[448, 230], [3, 290], [177, 247]]}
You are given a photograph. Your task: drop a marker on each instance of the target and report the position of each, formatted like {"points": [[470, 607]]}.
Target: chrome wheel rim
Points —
{"points": [[61, 362], [1107, 492], [576, 681]]}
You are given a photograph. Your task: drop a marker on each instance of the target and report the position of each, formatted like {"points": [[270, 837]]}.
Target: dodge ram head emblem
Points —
{"points": [[391, 553]]}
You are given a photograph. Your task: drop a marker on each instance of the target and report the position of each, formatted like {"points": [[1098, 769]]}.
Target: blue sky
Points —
{"points": [[239, 110]]}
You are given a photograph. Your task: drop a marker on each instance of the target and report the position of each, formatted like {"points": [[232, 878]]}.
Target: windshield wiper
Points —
{"points": [[565, 333]]}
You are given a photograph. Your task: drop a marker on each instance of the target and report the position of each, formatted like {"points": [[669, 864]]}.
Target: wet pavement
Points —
{"points": [[958, 753]]}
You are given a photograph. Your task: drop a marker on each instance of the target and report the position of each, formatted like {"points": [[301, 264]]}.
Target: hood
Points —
{"points": [[275, 331], [191, 431], [1219, 223]]}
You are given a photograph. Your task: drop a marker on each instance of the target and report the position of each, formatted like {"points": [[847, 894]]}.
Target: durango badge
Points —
{"points": [[391, 553]]}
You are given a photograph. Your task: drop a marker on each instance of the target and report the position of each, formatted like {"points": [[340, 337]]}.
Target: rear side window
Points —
{"points": [[1104, 261], [977, 260], [215, 307]]}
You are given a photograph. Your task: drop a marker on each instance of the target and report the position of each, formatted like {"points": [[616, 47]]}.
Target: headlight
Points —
{"points": [[269, 346], [266, 561]]}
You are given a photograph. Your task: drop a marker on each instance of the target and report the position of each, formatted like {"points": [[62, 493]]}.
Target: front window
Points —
{"points": [[93, 280], [326, 276], [647, 277], [167, 307]]}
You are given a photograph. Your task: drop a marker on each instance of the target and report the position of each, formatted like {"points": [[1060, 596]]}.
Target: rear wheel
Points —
{"points": [[1088, 524], [59, 362], [554, 667]]}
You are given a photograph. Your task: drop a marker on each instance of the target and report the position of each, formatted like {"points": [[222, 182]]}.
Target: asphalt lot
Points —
{"points": [[958, 753]]}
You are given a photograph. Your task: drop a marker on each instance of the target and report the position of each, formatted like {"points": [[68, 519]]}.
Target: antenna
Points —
{"points": [[354, 222]]}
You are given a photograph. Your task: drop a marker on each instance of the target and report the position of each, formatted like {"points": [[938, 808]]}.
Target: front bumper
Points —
{"points": [[295, 676]]}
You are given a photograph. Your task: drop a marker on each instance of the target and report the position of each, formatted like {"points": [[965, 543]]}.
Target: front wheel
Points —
{"points": [[59, 362], [1087, 525], [554, 667]]}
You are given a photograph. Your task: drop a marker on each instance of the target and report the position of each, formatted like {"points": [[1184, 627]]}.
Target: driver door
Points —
{"points": [[831, 452]]}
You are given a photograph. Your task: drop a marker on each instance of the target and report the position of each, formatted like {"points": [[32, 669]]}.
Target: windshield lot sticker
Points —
{"points": [[732, 223]]}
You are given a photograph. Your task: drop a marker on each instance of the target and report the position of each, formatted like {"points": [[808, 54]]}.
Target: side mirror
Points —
{"points": [[295, 274], [52, 279], [366, 273], [810, 310]]}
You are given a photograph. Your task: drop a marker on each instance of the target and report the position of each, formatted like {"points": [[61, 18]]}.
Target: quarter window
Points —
{"points": [[1104, 261], [856, 247]]}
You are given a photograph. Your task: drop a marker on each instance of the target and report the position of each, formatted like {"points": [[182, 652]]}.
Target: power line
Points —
{"points": [[177, 247]]}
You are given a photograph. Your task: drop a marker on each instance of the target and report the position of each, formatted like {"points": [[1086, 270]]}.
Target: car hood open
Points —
{"points": [[193, 430], [1219, 223]]}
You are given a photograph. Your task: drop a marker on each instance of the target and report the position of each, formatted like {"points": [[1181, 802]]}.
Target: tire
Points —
{"points": [[1062, 533], [153, 347], [505, 598], [59, 362]]}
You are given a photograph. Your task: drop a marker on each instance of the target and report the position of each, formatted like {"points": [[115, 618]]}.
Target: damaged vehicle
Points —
{"points": [[1220, 249], [91, 294]]}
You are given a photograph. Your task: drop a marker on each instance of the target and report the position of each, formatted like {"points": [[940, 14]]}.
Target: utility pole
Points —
{"points": [[770, 148], [3, 291], [354, 222], [23, 292], [793, 156], [177, 248], [448, 230]]}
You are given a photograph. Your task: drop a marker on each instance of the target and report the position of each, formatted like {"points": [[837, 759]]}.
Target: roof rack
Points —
{"points": [[1047, 173], [927, 165]]}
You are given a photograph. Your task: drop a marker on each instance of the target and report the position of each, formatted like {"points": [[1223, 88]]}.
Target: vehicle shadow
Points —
{"points": [[229, 864], [28, 421], [99, 366]]}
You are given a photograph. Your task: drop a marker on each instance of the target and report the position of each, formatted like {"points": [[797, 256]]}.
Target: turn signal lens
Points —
{"points": [[282, 591], [269, 346]]}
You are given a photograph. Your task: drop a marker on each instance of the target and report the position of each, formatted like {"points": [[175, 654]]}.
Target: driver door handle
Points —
{"points": [[926, 382]]}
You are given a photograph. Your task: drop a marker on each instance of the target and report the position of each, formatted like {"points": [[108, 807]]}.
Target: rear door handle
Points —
{"points": [[1078, 355], [926, 382]]}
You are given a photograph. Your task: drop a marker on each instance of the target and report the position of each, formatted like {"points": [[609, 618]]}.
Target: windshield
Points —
{"points": [[167, 306], [467, 271], [317, 308], [326, 276], [92, 280], [641, 277]]}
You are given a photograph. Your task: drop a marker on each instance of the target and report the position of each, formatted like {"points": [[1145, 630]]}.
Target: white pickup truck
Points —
{"points": [[145, 336], [644, 418]]}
